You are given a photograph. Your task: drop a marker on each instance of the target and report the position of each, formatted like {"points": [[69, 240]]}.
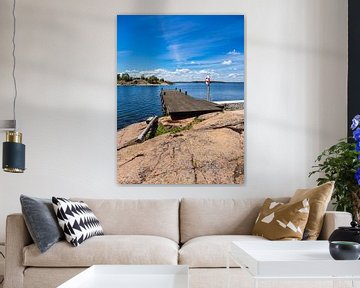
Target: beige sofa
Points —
{"points": [[194, 232]]}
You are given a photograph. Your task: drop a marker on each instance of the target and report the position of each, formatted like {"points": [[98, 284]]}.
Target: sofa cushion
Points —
{"points": [[41, 221], [76, 220], [279, 221], [319, 198], [158, 217], [200, 217], [211, 251], [107, 249]]}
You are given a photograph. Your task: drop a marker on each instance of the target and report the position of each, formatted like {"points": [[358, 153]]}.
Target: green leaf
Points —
{"points": [[338, 163]]}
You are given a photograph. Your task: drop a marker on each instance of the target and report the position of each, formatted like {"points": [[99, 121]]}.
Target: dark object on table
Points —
{"points": [[345, 233], [344, 250]]}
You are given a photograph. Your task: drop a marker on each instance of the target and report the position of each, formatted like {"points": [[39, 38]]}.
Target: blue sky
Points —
{"points": [[181, 47]]}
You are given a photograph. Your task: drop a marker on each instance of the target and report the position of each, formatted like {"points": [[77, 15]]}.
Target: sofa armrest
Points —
{"points": [[17, 237], [333, 220]]}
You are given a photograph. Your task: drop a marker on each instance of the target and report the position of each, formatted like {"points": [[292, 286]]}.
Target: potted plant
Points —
{"points": [[341, 163]]}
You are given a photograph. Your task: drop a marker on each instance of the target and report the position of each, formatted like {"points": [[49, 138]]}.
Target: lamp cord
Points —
{"points": [[2, 280], [14, 62]]}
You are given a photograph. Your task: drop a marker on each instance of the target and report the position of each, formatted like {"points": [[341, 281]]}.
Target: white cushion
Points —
{"points": [[76, 220], [107, 249], [211, 251]]}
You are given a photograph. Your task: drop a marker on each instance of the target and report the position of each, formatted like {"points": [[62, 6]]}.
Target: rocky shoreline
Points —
{"points": [[234, 106], [143, 84], [208, 149]]}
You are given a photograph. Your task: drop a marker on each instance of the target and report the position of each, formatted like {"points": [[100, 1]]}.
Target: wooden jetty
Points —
{"points": [[179, 105]]}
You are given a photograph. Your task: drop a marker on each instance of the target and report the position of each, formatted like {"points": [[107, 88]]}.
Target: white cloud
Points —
{"points": [[233, 52], [186, 74], [159, 70], [130, 71], [180, 71], [175, 52], [234, 75], [226, 62]]}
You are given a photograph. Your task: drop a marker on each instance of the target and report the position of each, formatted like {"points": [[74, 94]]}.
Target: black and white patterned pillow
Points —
{"points": [[77, 220]]}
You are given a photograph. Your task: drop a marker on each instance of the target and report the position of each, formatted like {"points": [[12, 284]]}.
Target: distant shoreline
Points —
{"points": [[173, 83], [225, 82], [144, 84], [124, 79]]}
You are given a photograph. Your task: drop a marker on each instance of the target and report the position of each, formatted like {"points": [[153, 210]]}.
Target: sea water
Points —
{"points": [[137, 103]]}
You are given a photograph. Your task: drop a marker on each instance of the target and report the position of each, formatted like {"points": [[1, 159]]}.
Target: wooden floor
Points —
{"points": [[179, 105]]}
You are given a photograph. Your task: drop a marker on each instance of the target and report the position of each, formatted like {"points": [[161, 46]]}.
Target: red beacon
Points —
{"points": [[207, 80]]}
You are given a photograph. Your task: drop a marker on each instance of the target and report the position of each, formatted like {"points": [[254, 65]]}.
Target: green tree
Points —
{"points": [[126, 77], [339, 163], [153, 79]]}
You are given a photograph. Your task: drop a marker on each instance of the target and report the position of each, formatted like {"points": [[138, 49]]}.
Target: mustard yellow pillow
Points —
{"points": [[279, 221], [319, 198]]}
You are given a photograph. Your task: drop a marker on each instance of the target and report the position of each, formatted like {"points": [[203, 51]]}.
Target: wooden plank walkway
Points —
{"points": [[180, 105]]}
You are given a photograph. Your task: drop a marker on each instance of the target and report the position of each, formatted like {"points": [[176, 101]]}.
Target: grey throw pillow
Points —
{"points": [[41, 221]]}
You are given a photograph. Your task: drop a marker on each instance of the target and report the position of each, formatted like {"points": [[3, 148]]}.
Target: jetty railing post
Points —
{"points": [[141, 137], [162, 93], [207, 82]]}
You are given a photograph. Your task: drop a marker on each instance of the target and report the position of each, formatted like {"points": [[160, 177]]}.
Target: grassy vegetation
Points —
{"points": [[161, 129]]}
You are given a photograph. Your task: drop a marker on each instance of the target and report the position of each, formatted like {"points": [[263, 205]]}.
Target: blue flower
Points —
{"points": [[357, 147], [355, 122], [357, 176], [356, 134]]}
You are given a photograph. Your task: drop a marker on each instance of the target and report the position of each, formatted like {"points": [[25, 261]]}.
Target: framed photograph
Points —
{"points": [[180, 99]]}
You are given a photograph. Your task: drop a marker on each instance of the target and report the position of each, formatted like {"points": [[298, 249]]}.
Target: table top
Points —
{"points": [[291, 259], [131, 276]]}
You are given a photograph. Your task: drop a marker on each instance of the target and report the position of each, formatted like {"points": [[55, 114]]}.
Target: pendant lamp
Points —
{"points": [[13, 160]]}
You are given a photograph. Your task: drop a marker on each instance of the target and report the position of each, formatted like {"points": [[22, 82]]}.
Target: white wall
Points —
{"points": [[296, 62]]}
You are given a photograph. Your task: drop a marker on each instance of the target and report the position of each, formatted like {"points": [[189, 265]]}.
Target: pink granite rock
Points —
{"points": [[211, 152]]}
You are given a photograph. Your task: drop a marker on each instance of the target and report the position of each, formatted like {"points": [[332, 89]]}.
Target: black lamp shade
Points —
{"points": [[13, 157]]}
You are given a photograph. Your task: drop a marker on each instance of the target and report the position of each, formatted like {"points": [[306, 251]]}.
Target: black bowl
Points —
{"points": [[344, 250]]}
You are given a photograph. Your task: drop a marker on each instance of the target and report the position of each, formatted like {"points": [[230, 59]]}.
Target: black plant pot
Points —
{"points": [[344, 250]]}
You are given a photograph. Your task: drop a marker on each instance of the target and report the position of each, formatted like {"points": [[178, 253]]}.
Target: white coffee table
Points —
{"points": [[131, 276], [296, 260]]}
